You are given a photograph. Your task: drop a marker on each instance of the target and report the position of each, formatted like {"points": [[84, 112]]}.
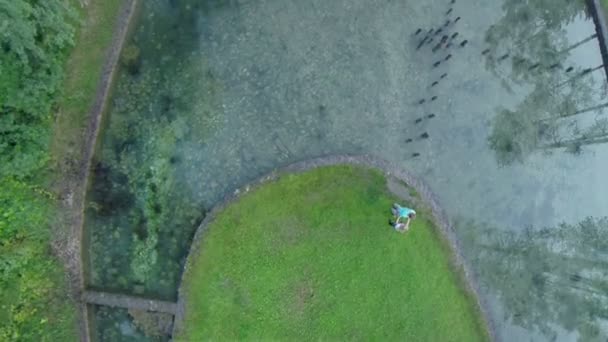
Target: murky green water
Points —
{"points": [[118, 325], [228, 90]]}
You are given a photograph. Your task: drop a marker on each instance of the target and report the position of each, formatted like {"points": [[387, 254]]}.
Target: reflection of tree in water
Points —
{"points": [[547, 276], [531, 31], [555, 114], [549, 118]]}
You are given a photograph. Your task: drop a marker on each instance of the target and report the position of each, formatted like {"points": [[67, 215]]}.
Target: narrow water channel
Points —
{"points": [[502, 114]]}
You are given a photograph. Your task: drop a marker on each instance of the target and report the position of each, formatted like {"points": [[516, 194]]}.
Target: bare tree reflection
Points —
{"points": [[548, 276], [532, 31], [558, 111], [548, 120]]}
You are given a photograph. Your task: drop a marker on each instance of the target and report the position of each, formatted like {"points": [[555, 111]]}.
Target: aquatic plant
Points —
{"points": [[131, 58], [153, 324], [116, 324], [140, 202]]}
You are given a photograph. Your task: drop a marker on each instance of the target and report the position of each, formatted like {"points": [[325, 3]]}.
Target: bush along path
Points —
{"points": [[40, 40]]}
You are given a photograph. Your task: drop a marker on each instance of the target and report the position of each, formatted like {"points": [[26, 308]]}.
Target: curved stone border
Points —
{"points": [[439, 218], [77, 194]]}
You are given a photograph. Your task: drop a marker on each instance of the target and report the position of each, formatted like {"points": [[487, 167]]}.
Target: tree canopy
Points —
{"points": [[34, 37]]}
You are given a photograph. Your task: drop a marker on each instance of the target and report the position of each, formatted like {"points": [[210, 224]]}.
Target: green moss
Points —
{"points": [[311, 256]]}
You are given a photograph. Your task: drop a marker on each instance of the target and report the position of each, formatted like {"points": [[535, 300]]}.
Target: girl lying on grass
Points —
{"points": [[402, 213]]}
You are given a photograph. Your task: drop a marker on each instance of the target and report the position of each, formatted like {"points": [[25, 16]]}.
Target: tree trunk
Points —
{"points": [[575, 45]]}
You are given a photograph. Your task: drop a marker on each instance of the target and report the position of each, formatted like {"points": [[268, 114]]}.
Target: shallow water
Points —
{"points": [[117, 325], [229, 90]]}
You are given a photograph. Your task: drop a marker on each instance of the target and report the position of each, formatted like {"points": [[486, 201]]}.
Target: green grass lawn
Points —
{"points": [[34, 301], [312, 256], [83, 73]]}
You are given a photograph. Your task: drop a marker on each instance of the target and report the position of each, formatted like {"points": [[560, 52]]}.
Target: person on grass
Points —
{"points": [[402, 213]]}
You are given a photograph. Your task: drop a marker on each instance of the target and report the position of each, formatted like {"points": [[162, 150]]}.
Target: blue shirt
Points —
{"points": [[405, 212]]}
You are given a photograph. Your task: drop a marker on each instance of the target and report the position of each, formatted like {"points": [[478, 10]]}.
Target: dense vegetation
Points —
{"points": [[34, 41], [36, 38], [312, 257], [564, 106]]}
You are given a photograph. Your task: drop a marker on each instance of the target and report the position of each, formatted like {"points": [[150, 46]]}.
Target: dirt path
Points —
{"points": [[74, 189], [392, 173]]}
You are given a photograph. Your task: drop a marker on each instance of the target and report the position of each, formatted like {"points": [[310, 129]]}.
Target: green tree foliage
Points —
{"points": [[33, 302], [34, 36]]}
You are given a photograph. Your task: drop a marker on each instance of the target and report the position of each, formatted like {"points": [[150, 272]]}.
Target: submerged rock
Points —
{"points": [[131, 59]]}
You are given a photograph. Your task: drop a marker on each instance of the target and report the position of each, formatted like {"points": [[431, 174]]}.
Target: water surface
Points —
{"points": [[229, 90]]}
